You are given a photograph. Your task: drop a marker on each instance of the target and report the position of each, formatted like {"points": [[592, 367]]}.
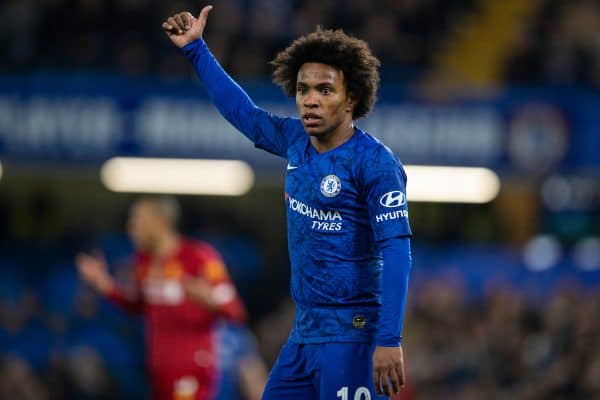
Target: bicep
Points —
{"points": [[385, 196]]}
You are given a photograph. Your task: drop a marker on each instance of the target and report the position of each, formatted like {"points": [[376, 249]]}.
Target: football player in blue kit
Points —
{"points": [[345, 194]]}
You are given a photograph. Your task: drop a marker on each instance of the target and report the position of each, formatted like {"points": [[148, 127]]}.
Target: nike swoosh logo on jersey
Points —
{"points": [[290, 167]]}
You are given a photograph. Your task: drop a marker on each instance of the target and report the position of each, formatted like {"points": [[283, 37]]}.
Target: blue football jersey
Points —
{"points": [[339, 204]]}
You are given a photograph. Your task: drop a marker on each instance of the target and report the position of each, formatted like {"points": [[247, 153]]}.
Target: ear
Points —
{"points": [[351, 102]]}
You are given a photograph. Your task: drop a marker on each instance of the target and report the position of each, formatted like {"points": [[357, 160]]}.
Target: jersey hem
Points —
{"points": [[330, 339]]}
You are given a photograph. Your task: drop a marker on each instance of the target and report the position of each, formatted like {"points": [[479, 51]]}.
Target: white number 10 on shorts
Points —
{"points": [[362, 393]]}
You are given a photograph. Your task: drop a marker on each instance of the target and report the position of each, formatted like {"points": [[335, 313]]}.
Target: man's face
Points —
{"points": [[322, 99], [143, 225]]}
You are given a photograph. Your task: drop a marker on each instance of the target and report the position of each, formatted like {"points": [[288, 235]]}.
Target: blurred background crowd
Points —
{"points": [[502, 338], [551, 41], [505, 296]]}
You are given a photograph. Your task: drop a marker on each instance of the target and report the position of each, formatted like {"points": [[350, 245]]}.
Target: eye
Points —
{"points": [[325, 90], [301, 89]]}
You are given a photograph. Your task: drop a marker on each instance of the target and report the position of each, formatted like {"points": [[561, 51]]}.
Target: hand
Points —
{"points": [[183, 28], [388, 370], [201, 291], [94, 271]]}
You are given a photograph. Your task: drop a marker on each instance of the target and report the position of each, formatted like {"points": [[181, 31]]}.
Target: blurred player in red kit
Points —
{"points": [[182, 288]]}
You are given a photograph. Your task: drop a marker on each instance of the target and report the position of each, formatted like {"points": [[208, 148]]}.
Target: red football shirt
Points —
{"points": [[179, 331]]}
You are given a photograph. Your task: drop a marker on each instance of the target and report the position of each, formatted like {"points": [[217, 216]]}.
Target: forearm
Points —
{"points": [[104, 285], [234, 311], [118, 297], [218, 298], [396, 269]]}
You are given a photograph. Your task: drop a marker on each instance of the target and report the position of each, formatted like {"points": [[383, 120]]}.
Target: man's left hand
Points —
{"points": [[199, 290], [388, 370]]}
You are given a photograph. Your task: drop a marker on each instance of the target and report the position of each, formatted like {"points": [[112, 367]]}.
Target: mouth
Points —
{"points": [[310, 119]]}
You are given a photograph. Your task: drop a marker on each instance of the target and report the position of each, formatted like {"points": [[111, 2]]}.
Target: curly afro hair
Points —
{"points": [[332, 47]]}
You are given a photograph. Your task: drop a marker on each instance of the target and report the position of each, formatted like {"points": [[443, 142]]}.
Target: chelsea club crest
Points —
{"points": [[331, 186]]}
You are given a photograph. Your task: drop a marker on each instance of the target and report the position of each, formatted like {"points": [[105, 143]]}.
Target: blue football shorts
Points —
{"points": [[324, 371]]}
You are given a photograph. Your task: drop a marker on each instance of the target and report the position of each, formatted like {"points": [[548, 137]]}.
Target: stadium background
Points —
{"points": [[504, 298]]}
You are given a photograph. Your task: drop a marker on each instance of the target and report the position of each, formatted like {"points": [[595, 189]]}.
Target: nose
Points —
{"points": [[311, 99]]}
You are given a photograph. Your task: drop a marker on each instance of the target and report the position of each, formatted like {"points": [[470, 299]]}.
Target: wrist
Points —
{"points": [[192, 45], [105, 286], [206, 300], [388, 341], [216, 297]]}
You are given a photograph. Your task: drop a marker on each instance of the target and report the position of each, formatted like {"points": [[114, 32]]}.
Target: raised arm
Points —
{"points": [[264, 129], [94, 271]]}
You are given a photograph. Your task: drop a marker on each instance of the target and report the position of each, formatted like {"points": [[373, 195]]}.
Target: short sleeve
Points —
{"points": [[384, 182], [212, 268]]}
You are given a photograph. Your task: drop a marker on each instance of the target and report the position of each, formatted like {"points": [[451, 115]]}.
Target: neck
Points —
{"points": [[166, 245], [333, 139]]}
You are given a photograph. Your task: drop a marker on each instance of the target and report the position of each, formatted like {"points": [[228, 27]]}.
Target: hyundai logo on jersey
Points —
{"points": [[393, 199]]}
